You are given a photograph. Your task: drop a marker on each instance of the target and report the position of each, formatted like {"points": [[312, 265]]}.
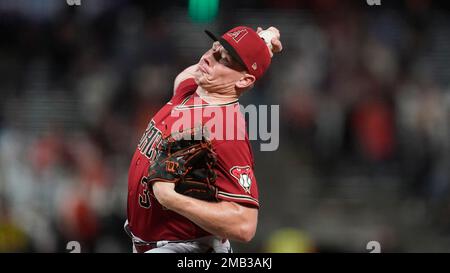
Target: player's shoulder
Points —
{"points": [[232, 146]]}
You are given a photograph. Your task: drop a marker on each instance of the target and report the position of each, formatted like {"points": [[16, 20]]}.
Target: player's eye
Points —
{"points": [[221, 58], [221, 55], [217, 56], [225, 61]]}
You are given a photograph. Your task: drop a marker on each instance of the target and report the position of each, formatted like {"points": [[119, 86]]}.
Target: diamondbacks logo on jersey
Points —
{"points": [[238, 34], [244, 176]]}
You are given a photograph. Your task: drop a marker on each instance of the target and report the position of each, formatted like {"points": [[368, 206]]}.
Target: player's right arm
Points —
{"points": [[184, 75], [224, 219]]}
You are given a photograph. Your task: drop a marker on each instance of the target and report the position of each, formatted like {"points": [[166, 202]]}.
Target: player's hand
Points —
{"points": [[276, 43], [163, 191]]}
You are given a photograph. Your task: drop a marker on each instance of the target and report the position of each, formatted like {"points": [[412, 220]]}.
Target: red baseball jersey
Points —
{"points": [[235, 177]]}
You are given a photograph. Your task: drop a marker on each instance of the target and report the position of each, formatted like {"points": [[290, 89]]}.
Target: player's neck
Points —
{"points": [[216, 98]]}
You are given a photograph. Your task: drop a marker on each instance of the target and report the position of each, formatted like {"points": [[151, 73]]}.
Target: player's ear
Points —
{"points": [[246, 81]]}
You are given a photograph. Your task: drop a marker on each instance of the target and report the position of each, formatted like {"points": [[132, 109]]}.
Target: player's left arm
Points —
{"points": [[184, 75], [224, 219]]}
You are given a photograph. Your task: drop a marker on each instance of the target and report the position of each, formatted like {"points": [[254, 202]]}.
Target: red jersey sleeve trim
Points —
{"points": [[239, 198]]}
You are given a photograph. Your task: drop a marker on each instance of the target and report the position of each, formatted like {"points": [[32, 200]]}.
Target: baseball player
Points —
{"points": [[161, 220]]}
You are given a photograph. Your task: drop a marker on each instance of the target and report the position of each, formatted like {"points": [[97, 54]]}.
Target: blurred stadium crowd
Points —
{"points": [[364, 95]]}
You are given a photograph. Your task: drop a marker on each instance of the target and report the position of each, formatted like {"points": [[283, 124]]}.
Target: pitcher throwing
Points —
{"points": [[191, 188]]}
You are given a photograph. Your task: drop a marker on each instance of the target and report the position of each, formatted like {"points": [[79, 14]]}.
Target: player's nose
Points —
{"points": [[207, 59]]}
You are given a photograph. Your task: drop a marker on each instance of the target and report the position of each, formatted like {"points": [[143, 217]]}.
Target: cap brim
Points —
{"points": [[211, 35], [227, 46]]}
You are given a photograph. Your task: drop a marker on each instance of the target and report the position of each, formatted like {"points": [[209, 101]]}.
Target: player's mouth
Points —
{"points": [[202, 67]]}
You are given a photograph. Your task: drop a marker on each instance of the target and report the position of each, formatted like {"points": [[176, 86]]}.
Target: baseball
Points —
{"points": [[267, 36]]}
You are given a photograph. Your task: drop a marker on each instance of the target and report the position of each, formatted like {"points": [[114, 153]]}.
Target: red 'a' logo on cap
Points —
{"points": [[238, 34]]}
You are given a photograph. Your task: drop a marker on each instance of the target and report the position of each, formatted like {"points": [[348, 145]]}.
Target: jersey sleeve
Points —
{"points": [[184, 89], [235, 173]]}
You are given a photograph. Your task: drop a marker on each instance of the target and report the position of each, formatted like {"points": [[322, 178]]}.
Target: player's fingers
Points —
{"points": [[276, 45], [258, 30]]}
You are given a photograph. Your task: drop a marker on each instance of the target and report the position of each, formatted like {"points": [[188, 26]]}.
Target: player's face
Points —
{"points": [[218, 70]]}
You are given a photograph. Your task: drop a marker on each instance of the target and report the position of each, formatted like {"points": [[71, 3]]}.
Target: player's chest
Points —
{"points": [[175, 116], [167, 121]]}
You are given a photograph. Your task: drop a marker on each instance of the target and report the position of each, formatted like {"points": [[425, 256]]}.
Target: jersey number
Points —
{"points": [[144, 198]]}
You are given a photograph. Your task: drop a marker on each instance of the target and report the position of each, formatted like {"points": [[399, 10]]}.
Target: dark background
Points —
{"points": [[364, 101]]}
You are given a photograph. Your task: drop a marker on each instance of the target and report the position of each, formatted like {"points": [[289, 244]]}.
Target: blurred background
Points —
{"points": [[364, 95]]}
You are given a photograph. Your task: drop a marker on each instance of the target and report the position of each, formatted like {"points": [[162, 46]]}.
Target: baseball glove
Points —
{"points": [[187, 159]]}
